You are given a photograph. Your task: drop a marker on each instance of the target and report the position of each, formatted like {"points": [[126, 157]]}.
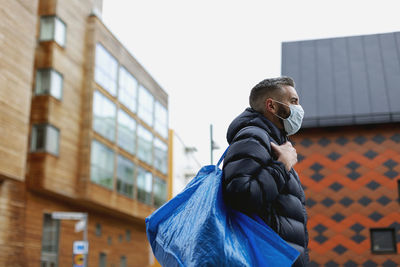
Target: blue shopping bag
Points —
{"points": [[195, 228]]}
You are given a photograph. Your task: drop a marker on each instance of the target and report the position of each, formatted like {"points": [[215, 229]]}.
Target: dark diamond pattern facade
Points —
{"points": [[348, 193]]}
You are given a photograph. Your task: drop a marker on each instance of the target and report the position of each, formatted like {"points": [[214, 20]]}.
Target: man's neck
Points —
{"points": [[274, 119]]}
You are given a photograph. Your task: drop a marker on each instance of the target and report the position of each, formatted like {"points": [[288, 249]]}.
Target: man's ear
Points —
{"points": [[269, 105]]}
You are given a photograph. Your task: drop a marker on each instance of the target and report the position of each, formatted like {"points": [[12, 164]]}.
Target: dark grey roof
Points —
{"points": [[346, 80]]}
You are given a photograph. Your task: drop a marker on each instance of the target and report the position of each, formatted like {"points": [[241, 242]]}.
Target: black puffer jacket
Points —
{"points": [[255, 183]]}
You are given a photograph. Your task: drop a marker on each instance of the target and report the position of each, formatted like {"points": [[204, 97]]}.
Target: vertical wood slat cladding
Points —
{"points": [[136, 250], [12, 223], [17, 56]]}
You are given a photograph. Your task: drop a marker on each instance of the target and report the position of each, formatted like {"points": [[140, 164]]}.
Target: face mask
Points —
{"points": [[292, 123]]}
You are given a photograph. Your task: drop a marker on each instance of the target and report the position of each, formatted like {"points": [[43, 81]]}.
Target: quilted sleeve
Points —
{"points": [[251, 178]]}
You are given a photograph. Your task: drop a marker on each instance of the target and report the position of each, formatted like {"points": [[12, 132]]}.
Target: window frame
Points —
{"points": [[143, 109], [159, 126], [120, 157], [49, 91], [50, 254], [45, 149], [99, 131], [113, 164], [394, 242], [120, 142], [99, 69], [125, 88], [53, 30]]}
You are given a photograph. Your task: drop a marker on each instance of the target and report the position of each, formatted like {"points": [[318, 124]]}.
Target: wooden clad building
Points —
{"points": [[84, 129]]}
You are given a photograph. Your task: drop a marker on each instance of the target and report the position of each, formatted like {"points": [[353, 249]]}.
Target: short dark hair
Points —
{"points": [[268, 88]]}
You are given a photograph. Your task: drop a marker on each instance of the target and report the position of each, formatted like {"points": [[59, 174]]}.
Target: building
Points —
{"points": [[84, 129], [349, 147]]}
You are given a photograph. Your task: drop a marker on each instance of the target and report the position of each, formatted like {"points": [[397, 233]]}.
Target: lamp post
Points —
{"points": [[213, 145]]}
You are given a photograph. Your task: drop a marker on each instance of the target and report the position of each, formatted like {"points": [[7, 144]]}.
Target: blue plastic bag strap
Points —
{"points": [[222, 158]]}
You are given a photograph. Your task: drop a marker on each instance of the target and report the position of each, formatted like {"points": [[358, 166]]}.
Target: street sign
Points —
{"points": [[81, 247], [68, 215], [79, 226], [79, 260]]}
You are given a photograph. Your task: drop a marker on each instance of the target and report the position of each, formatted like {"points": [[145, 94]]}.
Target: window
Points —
{"points": [[146, 106], [161, 120], [53, 28], [106, 70], [144, 184], [49, 81], [45, 138], [125, 176], [98, 229], [102, 260], [104, 116], [128, 235], [123, 261], [145, 145], [383, 240], [50, 235], [126, 132], [398, 189], [102, 165], [160, 156], [109, 240], [127, 89], [160, 192]]}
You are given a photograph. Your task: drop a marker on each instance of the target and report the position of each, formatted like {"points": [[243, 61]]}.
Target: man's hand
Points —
{"points": [[286, 154]]}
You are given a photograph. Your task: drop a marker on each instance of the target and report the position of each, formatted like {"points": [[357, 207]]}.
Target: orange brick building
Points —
{"points": [[349, 147]]}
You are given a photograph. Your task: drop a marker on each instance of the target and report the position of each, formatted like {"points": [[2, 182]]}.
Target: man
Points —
{"points": [[258, 174]]}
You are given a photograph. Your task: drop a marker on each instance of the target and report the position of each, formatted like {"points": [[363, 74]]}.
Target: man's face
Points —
{"points": [[289, 97]]}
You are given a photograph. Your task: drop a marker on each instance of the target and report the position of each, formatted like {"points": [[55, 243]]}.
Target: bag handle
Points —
{"points": [[222, 158]]}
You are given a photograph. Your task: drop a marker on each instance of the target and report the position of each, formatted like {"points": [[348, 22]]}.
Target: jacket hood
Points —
{"points": [[250, 117]]}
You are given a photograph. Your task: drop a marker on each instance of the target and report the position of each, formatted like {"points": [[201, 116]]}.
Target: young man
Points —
{"points": [[259, 178]]}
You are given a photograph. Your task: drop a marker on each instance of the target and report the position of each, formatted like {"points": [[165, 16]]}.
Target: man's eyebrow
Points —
{"points": [[294, 98]]}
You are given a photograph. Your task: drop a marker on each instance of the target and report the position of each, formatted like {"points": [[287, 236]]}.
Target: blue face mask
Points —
{"points": [[292, 123]]}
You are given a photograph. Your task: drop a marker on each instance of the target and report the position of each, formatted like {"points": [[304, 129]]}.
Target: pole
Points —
{"points": [[211, 144]]}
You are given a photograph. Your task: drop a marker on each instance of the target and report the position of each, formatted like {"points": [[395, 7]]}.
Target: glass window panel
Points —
{"points": [[144, 184], [126, 132], [160, 155], [60, 32], [383, 240], [123, 261], [104, 113], [125, 171], [42, 81], [146, 105], [49, 81], [145, 145], [52, 137], [102, 165], [102, 260], [159, 192], [45, 138], [106, 70], [161, 120], [52, 29], [50, 237], [46, 28], [128, 235], [127, 93], [38, 138], [98, 229], [56, 84]]}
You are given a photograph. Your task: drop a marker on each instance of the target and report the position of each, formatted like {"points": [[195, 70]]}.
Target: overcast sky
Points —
{"points": [[207, 55]]}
